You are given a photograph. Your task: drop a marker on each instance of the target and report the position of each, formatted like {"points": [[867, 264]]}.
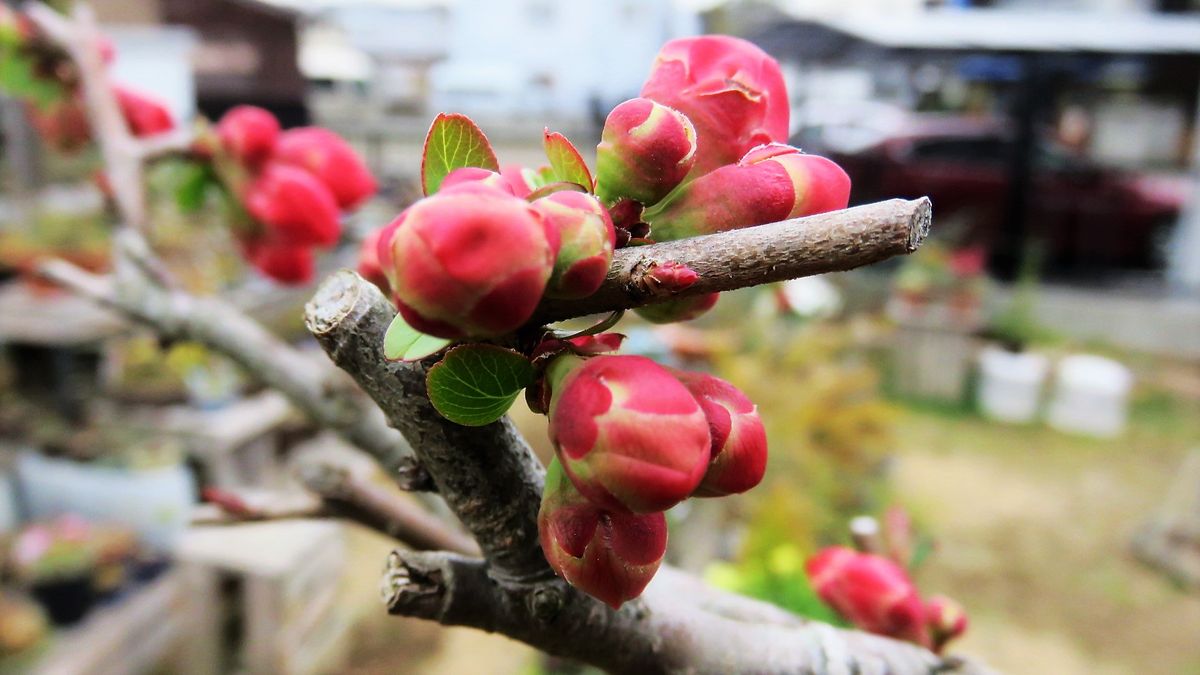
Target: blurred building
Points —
{"points": [[1082, 121], [246, 51]]}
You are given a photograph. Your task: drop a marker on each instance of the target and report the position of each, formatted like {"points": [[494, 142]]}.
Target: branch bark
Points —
{"points": [[829, 242], [493, 482]]}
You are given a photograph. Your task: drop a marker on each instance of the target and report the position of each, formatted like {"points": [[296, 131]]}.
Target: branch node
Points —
{"points": [[413, 584], [546, 602], [412, 476]]}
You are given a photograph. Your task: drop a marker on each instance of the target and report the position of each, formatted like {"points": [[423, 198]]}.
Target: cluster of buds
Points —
{"points": [[293, 186], [59, 114], [702, 151], [876, 595], [632, 439]]}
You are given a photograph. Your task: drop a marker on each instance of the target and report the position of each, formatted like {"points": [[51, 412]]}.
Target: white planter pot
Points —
{"points": [[157, 503], [1091, 396], [1010, 384]]}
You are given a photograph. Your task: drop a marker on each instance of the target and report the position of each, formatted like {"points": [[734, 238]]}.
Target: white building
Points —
{"points": [[543, 58]]}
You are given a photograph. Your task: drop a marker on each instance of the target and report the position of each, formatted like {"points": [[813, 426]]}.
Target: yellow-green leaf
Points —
{"points": [[453, 141], [402, 342], [566, 162]]}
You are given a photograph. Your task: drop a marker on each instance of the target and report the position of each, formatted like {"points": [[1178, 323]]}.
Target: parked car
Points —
{"points": [[1082, 213]]}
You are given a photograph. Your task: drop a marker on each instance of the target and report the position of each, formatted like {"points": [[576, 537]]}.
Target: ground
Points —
{"points": [[1034, 529]]}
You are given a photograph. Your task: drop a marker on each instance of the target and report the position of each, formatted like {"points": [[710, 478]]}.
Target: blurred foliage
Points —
{"points": [[937, 272], [829, 432], [81, 238]]}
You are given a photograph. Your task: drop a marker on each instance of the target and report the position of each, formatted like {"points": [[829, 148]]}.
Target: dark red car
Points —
{"points": [[1080, 212]]}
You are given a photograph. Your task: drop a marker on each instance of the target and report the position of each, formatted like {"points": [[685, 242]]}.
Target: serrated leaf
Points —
{"points": [[476, 384], [402, 342], [453, 141], [565, 160]]}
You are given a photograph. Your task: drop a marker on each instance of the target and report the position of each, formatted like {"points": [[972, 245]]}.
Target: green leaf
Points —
{"points": [[547, 190], [19, 79], [192, 188], [452, 143], [565, 160], [402, 342], [476, 384]]}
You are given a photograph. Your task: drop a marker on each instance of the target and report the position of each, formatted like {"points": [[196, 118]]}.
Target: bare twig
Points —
{"points": [[829, 242]]}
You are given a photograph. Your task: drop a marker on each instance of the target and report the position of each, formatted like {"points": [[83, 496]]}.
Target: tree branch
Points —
{"points": [[492, 481], [224, 329], [829, 242]]}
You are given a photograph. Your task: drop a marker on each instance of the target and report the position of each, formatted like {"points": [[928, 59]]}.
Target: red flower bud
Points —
{"points": [[946, 619], [678, 309], [472, 174], [771, 183], [521, 181], [731, 90], [294, 206], [62, 125], [739, 441], [331, 159], [587, 237], [471, 260], [629, 435], [248, 133], [282, 261], [368, 261], [872, 592], [645, 150], [145, 115], [610, 555]]}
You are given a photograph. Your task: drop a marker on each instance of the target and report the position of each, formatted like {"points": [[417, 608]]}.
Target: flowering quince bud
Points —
{"points": [[521, 181], [610, 555], [645, 150], [731, 90], [678, 309], [284, 262], [294, 206], [587, 237], [872, 592], [248, 133], [629, 435], [471, 260], [145, 115], [331, 159], [368, 261], [946, 619], [739, 441], [471, 174], [771, 183]]}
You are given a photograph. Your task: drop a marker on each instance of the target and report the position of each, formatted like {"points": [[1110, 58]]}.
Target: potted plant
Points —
{"points": [[57, 561]]}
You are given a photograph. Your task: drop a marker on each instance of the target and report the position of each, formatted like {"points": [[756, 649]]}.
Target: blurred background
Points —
{"points": [[1024, 390]]}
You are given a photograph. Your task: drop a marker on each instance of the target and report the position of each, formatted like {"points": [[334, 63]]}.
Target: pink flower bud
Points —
{"points": [[645, 150], [294, 206], [521, 181], [587, 237], [739, 441], [284, 262], [368, 261], [771, 183], [678, 309], [946, 619], [629, 435], [331, 159], [472, 174], [471, 260], [610, 555], [731, 90], [249, 133], [872, 592], [145, 115]]}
